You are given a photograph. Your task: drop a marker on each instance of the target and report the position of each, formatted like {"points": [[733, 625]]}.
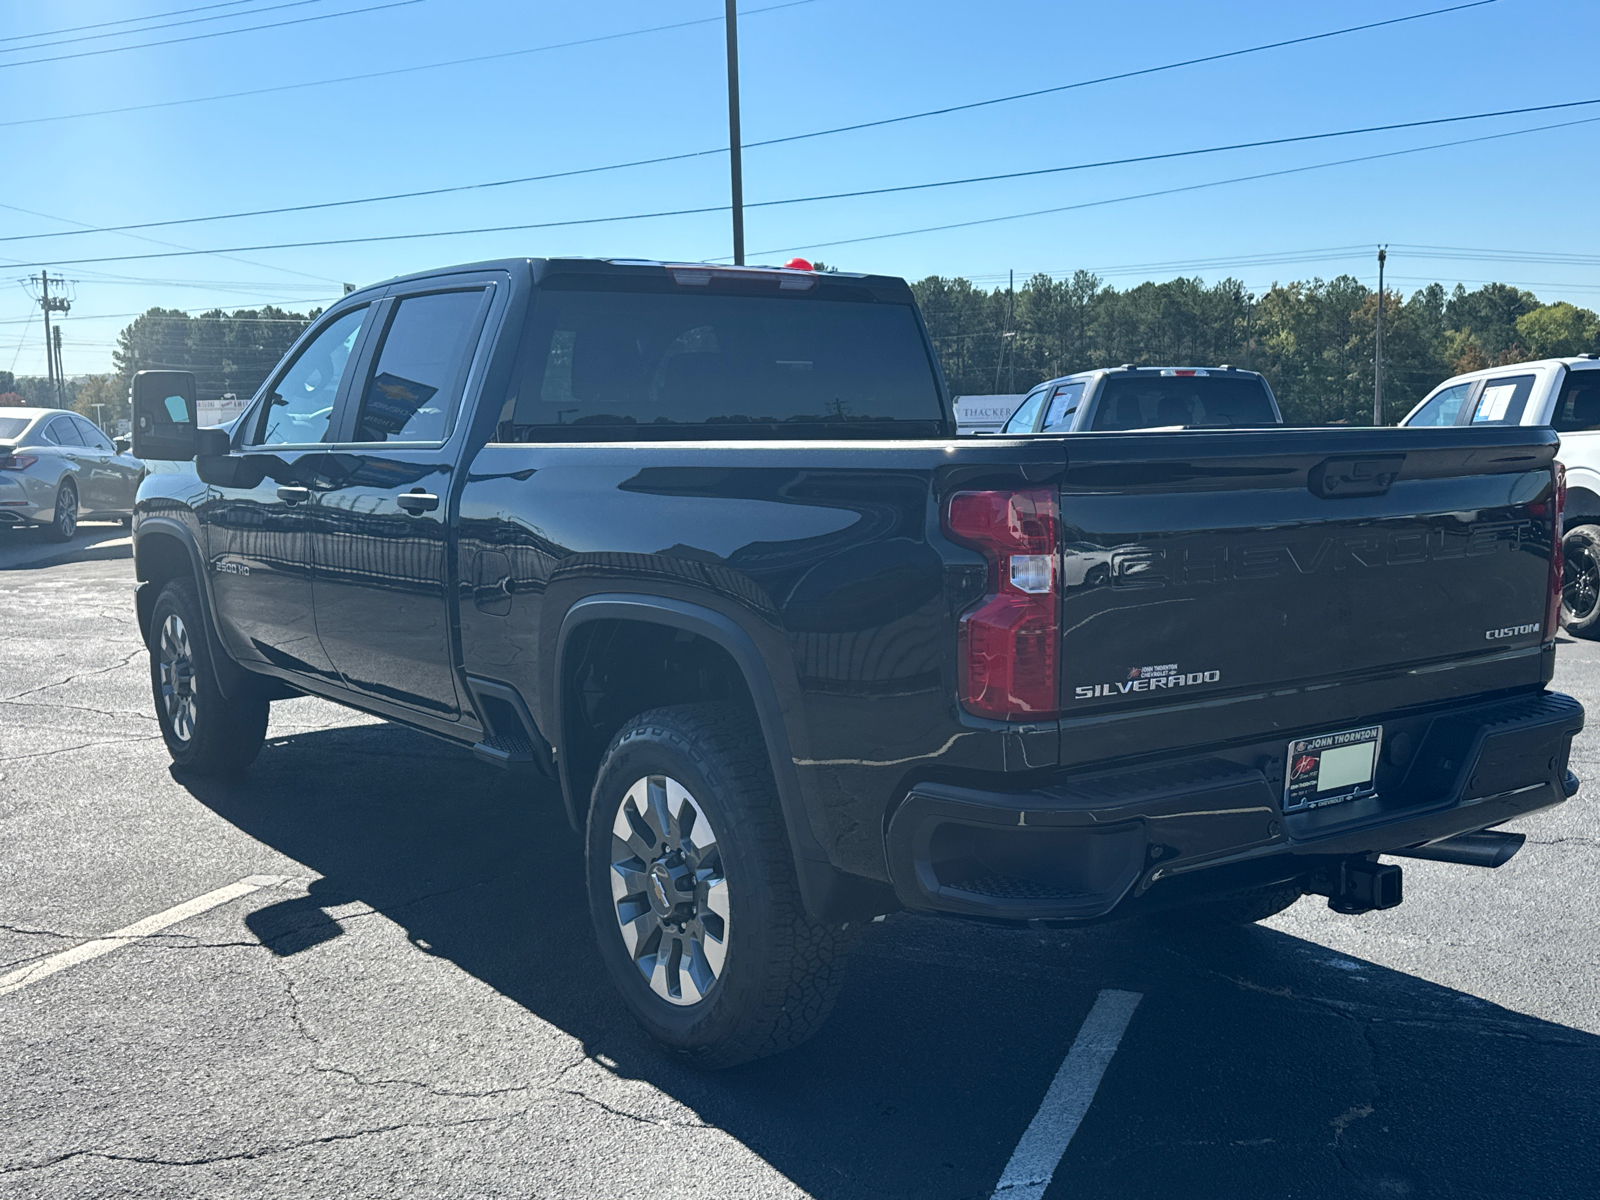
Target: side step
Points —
{"points": [[1486, 849], [511, 739]]}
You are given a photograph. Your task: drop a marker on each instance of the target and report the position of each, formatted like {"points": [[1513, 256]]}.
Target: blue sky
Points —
{"points": [[805, 66]]}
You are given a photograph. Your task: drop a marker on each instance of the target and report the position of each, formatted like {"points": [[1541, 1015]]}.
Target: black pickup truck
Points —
{"points": [[700, 544]]}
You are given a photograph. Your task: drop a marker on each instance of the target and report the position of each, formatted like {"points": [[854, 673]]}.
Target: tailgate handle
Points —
{"points": [[1369, 475]]}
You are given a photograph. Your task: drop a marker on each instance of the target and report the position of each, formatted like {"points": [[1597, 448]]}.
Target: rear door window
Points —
{"points": [[301, 402], [62, 432], [411, 393], [1578, 410], [1502, 400], [1063, 410], [1444, 408]]}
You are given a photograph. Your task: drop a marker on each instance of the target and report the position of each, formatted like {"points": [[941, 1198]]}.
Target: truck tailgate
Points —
{"points": [[1227, 584]]}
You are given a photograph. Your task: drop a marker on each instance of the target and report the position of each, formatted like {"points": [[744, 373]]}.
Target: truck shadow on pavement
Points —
{"points": [[1257, 1064]]}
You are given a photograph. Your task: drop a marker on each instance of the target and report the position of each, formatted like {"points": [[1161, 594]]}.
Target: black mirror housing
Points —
{"points": [[164, 415]]}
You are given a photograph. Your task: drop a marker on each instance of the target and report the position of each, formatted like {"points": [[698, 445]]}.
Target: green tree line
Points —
{"points": [[1314, 341]]}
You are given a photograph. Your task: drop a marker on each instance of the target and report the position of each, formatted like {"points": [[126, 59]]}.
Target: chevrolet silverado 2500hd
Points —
{"points": [[699, 544]]}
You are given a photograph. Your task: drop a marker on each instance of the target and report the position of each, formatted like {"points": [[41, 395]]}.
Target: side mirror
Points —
{"points": [[123, 444], [163, 415]]}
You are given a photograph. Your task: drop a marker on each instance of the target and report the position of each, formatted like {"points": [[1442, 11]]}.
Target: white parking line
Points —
{"points": [[1034, 1161], [46, 967]]}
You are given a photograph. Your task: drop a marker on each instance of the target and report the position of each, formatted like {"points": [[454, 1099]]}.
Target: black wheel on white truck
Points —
{"points": [[1580, 583], [693, 891]]}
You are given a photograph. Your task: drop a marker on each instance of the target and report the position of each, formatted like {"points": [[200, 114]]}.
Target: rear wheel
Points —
{"points": [[65, 524], [1580, 581], [693, 891], [205, 732]]}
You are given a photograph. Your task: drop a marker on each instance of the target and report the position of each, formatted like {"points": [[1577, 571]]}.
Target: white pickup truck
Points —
{"points": [[1563, 393]]}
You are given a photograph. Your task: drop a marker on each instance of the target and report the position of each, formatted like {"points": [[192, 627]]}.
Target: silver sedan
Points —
{"points": [[56, 467]]}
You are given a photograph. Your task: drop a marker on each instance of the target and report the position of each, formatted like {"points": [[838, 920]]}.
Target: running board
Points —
{"points": [[511, 738]]}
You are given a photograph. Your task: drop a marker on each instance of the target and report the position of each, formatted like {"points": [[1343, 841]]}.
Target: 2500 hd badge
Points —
{"points": [[1147, 679]]}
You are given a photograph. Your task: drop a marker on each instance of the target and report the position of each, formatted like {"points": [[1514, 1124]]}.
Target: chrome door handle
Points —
{"points": [[416, 503], [293, 495]]}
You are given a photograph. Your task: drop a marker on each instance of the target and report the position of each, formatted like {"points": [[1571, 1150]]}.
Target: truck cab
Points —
{"points": [[1127, 398]]}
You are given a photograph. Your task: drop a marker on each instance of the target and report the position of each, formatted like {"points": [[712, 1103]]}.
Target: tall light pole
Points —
{"points": [[1377, 358], [735, 161]]}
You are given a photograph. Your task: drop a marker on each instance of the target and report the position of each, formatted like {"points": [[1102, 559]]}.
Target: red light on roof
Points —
{"points": [[798, 264]]}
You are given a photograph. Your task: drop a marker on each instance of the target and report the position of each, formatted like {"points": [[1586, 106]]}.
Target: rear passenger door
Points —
{"points": [[383, 568]]}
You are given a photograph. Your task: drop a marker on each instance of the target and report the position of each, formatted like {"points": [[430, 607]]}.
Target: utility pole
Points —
{"points": [[1011, 320], [61, 374], [1377, 358], [52, 338], [735, 160]]}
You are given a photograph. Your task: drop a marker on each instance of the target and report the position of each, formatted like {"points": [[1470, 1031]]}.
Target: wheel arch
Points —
{"points": [[163, 550], [828, 893]]}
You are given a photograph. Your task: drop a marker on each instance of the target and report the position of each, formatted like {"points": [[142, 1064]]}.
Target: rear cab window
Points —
{"points": [[640, 356], [1150, 401], [1578, 409]]}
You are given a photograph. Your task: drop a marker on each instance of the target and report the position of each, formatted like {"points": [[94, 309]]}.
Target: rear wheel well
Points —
{"points": [[613, 670]]}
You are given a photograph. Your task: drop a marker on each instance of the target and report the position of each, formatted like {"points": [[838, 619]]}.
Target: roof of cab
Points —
{"points": [[882, 287]]}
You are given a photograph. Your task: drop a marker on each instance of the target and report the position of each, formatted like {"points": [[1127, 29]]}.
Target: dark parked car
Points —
{"points": [[700, 545]]}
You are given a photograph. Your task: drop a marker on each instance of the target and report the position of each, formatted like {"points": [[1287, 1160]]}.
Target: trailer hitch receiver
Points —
{"points": [[1359, 885]]}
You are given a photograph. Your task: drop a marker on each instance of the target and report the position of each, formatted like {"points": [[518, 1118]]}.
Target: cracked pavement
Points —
{"points": [[418, 1010]]}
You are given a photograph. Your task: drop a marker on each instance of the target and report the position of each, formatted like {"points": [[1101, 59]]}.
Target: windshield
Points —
{"points": [[11, 427], [651, 361], [1150, 401]]}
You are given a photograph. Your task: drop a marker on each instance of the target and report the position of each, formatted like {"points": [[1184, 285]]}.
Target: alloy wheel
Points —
{"points": [[176, 659], [1580, 583], [67, 512], [669, 890]]}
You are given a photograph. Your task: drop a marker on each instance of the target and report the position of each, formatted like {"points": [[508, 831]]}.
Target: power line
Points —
{"points": [[200, 37], [452, 62], [1332, 33], [1193, 187], [911, 187], [717, 208], [22, 37], [92, 37]]}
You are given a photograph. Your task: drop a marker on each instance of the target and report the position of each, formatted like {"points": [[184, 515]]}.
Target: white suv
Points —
{"points": [[1563, 393]]}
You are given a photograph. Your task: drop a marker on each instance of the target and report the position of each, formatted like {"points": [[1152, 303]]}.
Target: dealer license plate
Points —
{"points": [[1331, 767]]}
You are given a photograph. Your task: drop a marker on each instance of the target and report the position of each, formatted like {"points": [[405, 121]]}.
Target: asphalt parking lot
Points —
{"points": [[400, 997]]}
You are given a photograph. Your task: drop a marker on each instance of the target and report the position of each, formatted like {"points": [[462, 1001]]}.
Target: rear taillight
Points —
{"points": [[17, 462], [1558, 558], [1009, 642]]}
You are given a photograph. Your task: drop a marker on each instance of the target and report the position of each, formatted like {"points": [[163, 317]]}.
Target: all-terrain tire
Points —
{"points": [[1580, 584], [1243, 908], [63, 526], [779, 971], [205, 732]]}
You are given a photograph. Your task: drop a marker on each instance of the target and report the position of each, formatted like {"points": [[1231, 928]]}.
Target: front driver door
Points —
{"points": [[383, 569], [258, 529]]}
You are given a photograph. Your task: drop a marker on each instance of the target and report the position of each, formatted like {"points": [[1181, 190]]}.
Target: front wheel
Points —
{"points": [[205, 732], [1580, 581], [693, 891]]}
